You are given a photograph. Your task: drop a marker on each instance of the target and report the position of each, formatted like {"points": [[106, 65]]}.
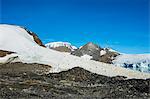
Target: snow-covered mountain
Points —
{"points": [[17, 40], [87, 51], [61, 46]]}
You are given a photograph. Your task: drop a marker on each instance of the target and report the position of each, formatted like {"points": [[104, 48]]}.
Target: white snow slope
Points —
{"points": [[139, 62], [16, 39]]}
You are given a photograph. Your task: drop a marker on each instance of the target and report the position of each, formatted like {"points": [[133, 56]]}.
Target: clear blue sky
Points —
{"points": [[120, 24]]}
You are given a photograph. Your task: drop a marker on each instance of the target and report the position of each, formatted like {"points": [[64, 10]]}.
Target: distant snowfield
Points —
{"points": [[137, 61], [132, 58], [58, 44], [16, 39]]}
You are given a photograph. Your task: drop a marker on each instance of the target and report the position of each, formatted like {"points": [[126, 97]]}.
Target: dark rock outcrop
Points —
{"points": [[108, 57], [4, 53], [37, 40], [88, 49], [94, 50], [18, 67], [35, 37]]}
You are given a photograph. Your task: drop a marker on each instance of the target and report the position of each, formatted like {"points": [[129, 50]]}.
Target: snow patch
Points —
{"points": [[86, 57], [102, 52]]}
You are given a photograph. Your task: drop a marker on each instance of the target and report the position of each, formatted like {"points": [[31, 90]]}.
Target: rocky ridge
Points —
{"points": [[35, 37], [96, 52]]}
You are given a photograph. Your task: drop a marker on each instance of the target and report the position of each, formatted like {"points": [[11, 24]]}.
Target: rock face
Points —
{"points": [[19, 80], [37, 40], [35, 37], [88, 49], [97, 53], [4, 53], [108, 57]]}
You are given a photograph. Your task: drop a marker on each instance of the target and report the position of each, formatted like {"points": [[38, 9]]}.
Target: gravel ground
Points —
{"points": [[22, 81]]}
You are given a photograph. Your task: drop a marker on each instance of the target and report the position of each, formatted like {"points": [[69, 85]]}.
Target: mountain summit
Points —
{"points": [[90, 49], [96, 52]]}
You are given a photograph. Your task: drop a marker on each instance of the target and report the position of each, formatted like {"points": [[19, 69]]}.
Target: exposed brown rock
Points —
{"points": [[108, 57], [35, 37], [37, 40], [4, 53]]}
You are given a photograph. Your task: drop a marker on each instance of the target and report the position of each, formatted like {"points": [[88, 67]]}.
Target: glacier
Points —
{"points": [[139, 62]]}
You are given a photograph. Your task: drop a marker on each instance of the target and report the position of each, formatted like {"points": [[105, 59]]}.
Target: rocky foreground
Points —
{"points": [[19, 80]]}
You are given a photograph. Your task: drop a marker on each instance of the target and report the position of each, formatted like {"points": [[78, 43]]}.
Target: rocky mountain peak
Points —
{"points": [[90, 49], [91, 46]]}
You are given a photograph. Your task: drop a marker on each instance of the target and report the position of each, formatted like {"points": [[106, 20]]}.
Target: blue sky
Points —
{"points": [[120, 24]]}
